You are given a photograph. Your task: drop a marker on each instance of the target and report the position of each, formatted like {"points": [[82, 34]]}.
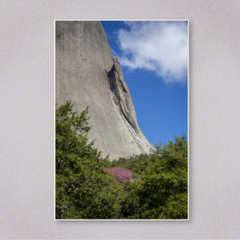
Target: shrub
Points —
{"points": [[122, 174]]}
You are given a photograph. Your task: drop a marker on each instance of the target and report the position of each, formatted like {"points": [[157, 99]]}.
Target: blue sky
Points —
{"points": [[154, 59]]}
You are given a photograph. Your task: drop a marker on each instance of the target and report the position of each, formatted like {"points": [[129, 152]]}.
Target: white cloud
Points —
{"points": [[156, 46]]}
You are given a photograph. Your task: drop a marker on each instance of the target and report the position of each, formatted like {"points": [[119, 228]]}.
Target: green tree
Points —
{"points": [[83, 190], [164, 182], [160, 187]]}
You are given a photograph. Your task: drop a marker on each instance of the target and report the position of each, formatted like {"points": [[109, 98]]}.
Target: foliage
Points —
{"points": [[131, 163], [83, 190], [121, 174], [91, 187], [162, 182], [130, 201]]}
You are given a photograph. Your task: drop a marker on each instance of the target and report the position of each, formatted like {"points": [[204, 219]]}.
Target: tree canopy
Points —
{"points": [[88, 186], [83, 190]]}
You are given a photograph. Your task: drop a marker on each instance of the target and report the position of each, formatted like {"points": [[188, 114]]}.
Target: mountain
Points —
{"points": [[88, 75]]}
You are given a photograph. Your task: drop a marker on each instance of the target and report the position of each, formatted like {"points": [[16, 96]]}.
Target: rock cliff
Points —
{"points": [[87, 75]]}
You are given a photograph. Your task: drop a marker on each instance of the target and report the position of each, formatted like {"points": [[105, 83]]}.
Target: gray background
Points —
{"points": [[27, 118]]}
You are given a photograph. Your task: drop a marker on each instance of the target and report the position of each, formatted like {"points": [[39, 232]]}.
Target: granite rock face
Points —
{"points": [[121, 95], [87, 75]]}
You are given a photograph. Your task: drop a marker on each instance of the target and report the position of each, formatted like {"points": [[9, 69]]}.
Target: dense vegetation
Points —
{"points": [[151, 186]]}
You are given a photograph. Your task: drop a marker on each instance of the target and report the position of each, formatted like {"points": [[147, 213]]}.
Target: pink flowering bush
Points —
{"points": [[122, 174]]}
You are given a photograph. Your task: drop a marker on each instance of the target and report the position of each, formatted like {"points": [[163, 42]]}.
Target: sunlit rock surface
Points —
{"points": [[87, 75]]}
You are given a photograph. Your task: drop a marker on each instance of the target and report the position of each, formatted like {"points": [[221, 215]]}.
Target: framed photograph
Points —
{"points": [[121, 120]]}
